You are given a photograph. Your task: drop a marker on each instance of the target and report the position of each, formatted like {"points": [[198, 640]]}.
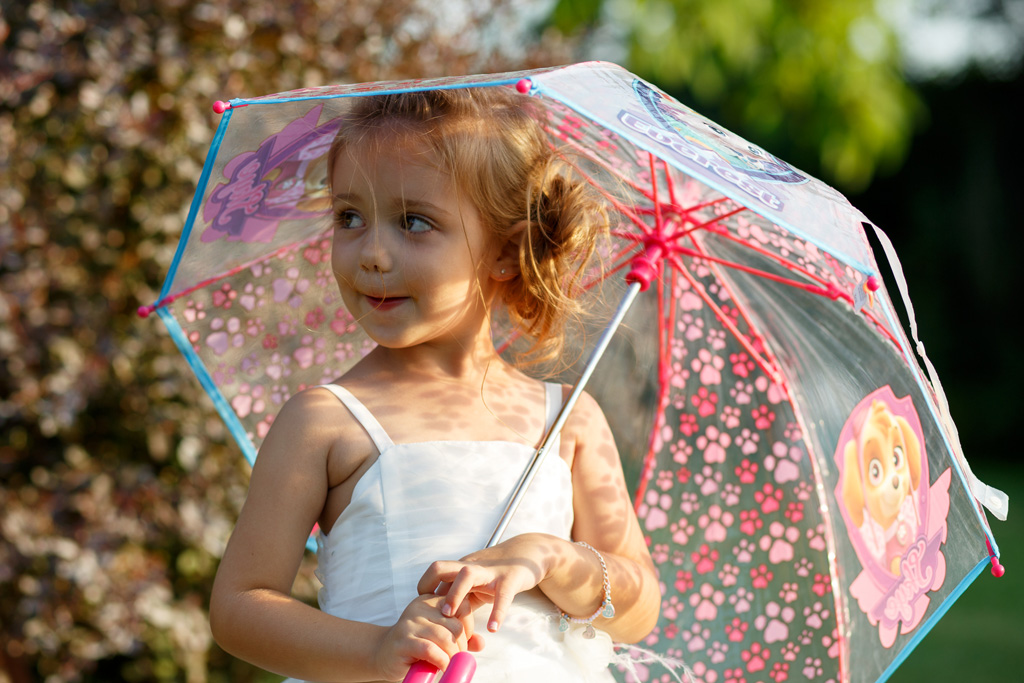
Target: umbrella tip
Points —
{"points": [[872, 283], [997, 569], [524, 85], [144, 311], [221, 107]]}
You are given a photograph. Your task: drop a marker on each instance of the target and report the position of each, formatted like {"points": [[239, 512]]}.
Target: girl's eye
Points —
{"points": [[348, 220], [416, 224]]}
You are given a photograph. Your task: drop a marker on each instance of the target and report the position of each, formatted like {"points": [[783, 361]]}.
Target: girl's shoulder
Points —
{"points": [[317, 422]]}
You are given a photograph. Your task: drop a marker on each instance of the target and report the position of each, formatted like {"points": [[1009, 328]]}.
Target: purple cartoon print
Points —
{"points": [[284, 179]]}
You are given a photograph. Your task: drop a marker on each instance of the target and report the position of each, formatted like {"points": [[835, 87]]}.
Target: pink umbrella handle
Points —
{"points": [[460, 670]]}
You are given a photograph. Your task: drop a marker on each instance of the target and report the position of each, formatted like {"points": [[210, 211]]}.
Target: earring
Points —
{"points": [[502, 271]]}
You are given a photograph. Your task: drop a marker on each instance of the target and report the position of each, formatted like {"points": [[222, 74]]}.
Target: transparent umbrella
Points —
{"points": [[796, 470]]}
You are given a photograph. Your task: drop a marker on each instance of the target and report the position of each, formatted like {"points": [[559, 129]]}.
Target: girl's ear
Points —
{"points": [[506, 266]]}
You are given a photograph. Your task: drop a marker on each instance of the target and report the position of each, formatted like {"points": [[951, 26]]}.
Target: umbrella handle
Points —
{"points": [[460, 670]]}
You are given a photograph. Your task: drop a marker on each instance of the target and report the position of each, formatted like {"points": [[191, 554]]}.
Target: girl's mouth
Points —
{"points": [[384, 303]]}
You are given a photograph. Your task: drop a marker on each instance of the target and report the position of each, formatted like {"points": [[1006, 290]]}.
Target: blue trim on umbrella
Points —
{"points": [[224, 408], [242, 102], [932, 620], [922, 384], [227, 413], [197, 200]]}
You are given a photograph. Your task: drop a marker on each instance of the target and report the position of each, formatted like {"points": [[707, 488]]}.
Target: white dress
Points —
{"points": [[441, 500]]}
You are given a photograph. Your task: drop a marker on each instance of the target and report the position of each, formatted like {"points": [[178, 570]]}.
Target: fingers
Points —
{"points": [[502, 603], [422, 633], [437, 574]]}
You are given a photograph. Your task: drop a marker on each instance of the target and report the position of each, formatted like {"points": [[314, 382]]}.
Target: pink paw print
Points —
{"points": [[705, 401], [790, 651], [763, 417], [779, 672], [756, 657], [708, 479], [734, 676], [706, 602], [769, 498], [315, 318], [684, 581], [812, 667], [816, 614], [681, 451], [716, 653], [729, 575], [687, 424], [747, 441], [742, 366], [742, 393], [713, 443], [750, 521], [822, 585], [746, 471], [730, 417], [736, 629], [744, 551], [254, 327], [761, 576], [794, 512], [731, 494], [224, 297], [715, 524], [696, 637], [792, 431], [705, 559], [741, 600], [708, 366], [789, 592]]}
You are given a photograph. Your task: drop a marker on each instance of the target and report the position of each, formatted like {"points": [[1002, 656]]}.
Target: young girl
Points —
{"points": [[447, 204]]}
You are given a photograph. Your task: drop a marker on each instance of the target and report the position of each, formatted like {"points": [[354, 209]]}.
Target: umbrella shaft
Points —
{"points": [[563, 414]]}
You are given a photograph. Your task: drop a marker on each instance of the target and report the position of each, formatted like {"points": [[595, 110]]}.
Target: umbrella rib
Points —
{"points": [[666, 323], [587, 153], [171, 298], [826, 288], [766, 366]]}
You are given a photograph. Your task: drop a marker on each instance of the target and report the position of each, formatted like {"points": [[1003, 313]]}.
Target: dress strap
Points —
{"points": [[362, 415], [552, 403]]}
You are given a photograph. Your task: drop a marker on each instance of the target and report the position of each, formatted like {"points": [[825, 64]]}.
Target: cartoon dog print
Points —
{"points": [[880, 482]]}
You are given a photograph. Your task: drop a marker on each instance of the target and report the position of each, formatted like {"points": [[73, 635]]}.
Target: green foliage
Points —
{"points": [[815, 83]]}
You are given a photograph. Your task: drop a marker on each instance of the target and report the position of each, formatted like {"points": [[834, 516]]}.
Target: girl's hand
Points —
{"points": [[423, 633], [493, 575]]}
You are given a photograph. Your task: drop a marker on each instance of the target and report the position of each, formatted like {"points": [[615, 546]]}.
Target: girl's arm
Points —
{"points": [[570, 574], [252, 613]]}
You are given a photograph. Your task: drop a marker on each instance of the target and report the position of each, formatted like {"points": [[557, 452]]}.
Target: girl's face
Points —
{"points": [[413, 261]]}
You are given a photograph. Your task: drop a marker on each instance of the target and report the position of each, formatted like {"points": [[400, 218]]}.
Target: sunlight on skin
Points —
{"points": [[419, 272]]}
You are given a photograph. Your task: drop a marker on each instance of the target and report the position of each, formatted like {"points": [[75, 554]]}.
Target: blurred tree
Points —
{"points": [[119, 488], [818, 83]]}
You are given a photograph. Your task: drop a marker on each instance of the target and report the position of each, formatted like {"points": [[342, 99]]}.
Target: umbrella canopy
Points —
{"points": [[796, 471]]}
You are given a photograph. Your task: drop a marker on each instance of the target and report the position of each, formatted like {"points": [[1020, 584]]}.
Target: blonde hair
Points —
{"points": [[497, 153]]}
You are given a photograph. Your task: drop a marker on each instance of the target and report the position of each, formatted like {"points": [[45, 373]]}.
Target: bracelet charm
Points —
{"points": [[606, 609]]}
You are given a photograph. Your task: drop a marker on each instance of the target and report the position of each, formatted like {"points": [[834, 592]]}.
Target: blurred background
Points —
{"points": [[118, 483]]}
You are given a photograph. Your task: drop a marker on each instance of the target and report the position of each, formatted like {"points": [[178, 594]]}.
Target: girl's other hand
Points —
{"points": [[423, 633], [493, 575]]}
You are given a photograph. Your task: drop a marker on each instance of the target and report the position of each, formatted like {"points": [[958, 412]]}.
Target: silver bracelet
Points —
{"points": [[606, 610]]}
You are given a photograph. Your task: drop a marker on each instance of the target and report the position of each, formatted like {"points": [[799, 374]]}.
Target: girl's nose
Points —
{"points": [[373, 253]]}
